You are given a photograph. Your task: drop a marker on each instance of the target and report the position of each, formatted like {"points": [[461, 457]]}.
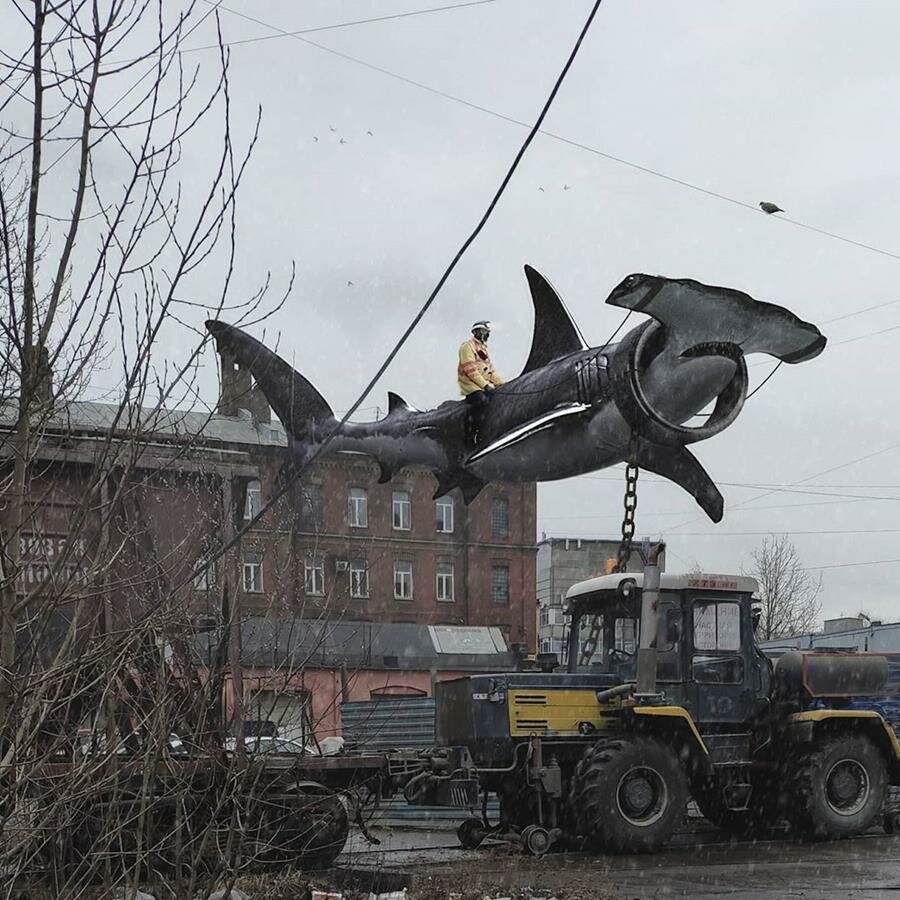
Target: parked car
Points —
{"points": [[267, 744]]}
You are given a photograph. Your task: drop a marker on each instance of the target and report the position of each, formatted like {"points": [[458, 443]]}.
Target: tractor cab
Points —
{"points": [[706, 658]]}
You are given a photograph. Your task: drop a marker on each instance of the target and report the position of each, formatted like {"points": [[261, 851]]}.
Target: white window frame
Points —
{"points": [[444, 590], [552, 645], [252, 572], [205, 580], [314, 576], [358, 511], [401, 502], [252, 499], [550, 616], [359, 579], [444, 513], [403, 579]]}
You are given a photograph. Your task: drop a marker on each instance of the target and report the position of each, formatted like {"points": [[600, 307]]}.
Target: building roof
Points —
{"points": [[317, 643], [695, 581], [98, 418]]}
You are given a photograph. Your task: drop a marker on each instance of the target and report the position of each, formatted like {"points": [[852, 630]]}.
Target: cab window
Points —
{"points": [[717, 642], [668, 643]]}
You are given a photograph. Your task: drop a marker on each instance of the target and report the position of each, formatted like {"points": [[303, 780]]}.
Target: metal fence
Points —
{"points": [[389, 723]]}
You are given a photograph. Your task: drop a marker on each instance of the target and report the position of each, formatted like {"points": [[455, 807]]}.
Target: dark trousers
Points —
{"points": [[477, 408]]}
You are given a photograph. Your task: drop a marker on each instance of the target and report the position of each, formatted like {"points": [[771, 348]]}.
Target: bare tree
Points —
{"points": [[95, 271], [788, 592]]}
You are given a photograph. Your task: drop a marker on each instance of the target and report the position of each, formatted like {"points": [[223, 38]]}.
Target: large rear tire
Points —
{"points": [[628, 795], [839, 788]]}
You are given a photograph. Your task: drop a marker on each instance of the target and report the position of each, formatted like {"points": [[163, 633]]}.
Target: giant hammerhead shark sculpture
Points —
{"points": [[574, 409]]}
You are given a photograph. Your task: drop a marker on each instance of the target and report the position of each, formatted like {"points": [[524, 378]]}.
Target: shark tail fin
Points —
{"points": [[293, 399]]}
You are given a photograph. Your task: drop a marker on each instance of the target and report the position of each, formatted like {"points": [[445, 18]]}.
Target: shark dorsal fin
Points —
{"points": [[397, 404], [555, 334]]}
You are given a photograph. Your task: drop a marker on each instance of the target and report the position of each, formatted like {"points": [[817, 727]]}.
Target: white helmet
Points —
{"points": [[483, 325]]}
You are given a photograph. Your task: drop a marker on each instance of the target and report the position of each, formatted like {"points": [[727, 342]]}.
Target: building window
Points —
{"points": [[500, 585], [443, 508], [359, 578], [403, 585], [253, 573], [500, 518], [552, 645], [402, 511], [551, 615], [311, 518], [252, 500], [444, 582], [314, 575], [205, 579], [359, 508]]}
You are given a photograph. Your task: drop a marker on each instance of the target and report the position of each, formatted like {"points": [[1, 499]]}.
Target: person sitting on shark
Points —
{"points": [[477, 378]]}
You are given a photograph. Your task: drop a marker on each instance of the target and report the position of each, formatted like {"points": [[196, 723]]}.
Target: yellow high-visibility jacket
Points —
{"points": [[475, 369]]}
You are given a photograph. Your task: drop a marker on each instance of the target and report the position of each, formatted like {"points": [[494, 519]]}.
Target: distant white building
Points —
{"points": [[562, 562], [847, 633]]}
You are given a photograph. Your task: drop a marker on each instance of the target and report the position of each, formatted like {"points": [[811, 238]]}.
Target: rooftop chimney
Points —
{"points": [[239, 392]]}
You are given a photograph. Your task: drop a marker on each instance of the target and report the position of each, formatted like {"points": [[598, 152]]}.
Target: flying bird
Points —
{"points": [[541, 190], [369, 133], [315, 139], [769, 208], [342, 141], [332, 128], [349, 284], [567, 187]]}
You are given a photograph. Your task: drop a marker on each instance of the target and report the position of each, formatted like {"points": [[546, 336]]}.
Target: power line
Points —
{"points": [[144, 77], [617, 517], [790, 488], [870, 562], [557, 137], [792, 532], [323, 446], [768, 493], [334, 27]]}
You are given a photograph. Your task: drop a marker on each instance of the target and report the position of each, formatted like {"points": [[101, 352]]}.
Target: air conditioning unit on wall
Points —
{"points": [[341, 565]]}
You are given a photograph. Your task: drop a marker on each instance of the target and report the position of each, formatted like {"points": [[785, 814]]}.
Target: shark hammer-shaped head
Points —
{"points": [[693, 353], [696, 314]]}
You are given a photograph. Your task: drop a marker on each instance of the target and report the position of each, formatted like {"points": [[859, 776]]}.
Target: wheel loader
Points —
{"points": [[664, 697]]}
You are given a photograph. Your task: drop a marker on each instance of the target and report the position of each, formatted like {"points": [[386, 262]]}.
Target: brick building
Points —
{"points": [[338, 547]]}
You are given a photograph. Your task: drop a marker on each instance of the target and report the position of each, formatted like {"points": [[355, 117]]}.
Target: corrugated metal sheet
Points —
{"points": [[389, 723]]}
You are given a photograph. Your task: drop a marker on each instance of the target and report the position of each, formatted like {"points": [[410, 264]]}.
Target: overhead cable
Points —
{"points": [[558, 137], [332, 27], [323, 446]]}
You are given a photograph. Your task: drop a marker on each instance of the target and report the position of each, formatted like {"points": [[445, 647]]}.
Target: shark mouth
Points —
{"points": [[636, 353]]}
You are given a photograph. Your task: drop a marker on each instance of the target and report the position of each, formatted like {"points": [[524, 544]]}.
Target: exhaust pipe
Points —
{"points": [[645, 691]]}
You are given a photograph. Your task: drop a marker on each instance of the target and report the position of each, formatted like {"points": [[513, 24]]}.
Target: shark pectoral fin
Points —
{"points": [[678, 464]]}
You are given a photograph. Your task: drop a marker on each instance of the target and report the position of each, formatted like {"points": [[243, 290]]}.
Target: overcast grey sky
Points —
{"points": [[792, 102]]}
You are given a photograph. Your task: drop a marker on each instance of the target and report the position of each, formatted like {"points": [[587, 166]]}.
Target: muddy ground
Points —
{"points": [[430, 866]]}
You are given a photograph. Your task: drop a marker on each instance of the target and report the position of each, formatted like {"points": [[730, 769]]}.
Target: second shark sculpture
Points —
{"points": [[574, 408]]}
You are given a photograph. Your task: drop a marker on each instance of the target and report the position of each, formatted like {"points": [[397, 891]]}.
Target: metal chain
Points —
{"points": [[630, 504], [589, 648]]}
